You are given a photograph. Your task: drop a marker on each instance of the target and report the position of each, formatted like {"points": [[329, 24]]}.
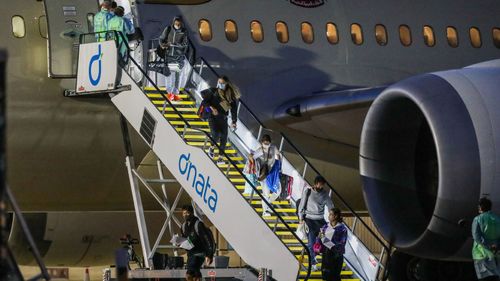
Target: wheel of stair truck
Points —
{"points": [[406, 267]]}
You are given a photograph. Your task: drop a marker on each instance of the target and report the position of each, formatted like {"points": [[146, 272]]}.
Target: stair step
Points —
{"points": [[160, 96], [181, 102], [196, 137], [318, 273], [168, 108], [193, 130], [201, 143], [286, 218], [281, 210], [274, 203], [149, 88], [296, 248], [292, 241], [241, 166], [236, 180], [242, 187], [185, 116], [281, 225], [197, 123], [228, 151]]}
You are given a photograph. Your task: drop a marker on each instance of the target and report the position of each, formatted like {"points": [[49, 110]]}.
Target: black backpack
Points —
{"points": [[211, 241]]}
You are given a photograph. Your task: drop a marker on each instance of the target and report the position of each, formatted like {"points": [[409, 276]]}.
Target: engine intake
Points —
{"points": [[428, 152]]}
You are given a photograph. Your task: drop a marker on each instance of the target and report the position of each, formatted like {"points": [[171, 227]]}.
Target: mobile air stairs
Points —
{"points": [[180, 140]]}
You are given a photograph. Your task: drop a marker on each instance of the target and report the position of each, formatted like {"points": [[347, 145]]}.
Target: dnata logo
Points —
{"points": [[97, 57], [200, 182]]}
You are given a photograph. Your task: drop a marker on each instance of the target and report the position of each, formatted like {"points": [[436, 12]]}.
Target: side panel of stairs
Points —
{"points": [[226, 208]]}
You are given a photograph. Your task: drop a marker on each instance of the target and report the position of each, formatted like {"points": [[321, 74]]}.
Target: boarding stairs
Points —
{"points": [[181, 140]]}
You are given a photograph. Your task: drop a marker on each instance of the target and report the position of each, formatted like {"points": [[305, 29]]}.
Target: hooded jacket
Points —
{"points": [[174, 36]]}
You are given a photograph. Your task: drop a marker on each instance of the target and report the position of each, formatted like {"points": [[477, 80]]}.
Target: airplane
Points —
{"points": [[318, 65]]}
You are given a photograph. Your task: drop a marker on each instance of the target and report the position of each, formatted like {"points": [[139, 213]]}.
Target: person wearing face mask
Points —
{"points": [[312, 210], [229, 99], [267, 154], [173, 46], [217, 120]]}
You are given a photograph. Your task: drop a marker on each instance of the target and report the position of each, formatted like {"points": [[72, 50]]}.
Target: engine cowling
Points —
{"points": [[430, 148]]}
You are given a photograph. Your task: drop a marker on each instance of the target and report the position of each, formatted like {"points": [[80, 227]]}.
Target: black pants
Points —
{"points": [[218, 130], [332, 266], [194, 264]]}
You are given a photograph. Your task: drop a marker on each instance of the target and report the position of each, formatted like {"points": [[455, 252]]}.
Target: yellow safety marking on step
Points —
{"points": [[187, 116], [241, 166], [174, 102], [197, 137], [281, 225], [291, 241], [274, 203], [192, 130], [160, 96], [149, 88], [284, 210], [286, 218], [180, 109], [198, 123], [200, 143], [234, 180]]}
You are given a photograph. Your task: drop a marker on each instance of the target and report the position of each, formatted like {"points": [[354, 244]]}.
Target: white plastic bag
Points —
{"points": [[302, 231]]}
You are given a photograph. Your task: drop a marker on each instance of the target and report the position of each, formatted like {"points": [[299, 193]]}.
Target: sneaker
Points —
{"points": [[315, 267], [220, 161], [177, 98], [266, 214], [170, 96], [211, 152]]}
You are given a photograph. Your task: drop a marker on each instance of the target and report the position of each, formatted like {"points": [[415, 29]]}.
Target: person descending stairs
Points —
{"points": [[186, 105]]}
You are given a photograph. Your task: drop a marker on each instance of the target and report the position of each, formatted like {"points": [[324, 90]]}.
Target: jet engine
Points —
{"points": [[430, 148]]}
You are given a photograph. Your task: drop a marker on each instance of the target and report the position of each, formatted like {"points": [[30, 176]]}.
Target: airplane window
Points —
{"points": [[231, 31], [405, 35], [257, 31], [496, 36], [475, 37], [331, 33], [452, 35], [381, 34], [429, 39], [18, 27], [282, 32], [205, 30], [307, 32], [356, 34]]}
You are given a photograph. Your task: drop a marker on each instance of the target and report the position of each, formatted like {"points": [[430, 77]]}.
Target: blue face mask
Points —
{"points": [[221, 86]]}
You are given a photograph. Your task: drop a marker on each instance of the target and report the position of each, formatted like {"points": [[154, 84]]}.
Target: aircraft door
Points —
{"points": [[67, 19]]}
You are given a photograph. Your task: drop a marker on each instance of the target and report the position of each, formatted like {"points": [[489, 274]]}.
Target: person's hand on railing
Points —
{"points": [[233, 126]]}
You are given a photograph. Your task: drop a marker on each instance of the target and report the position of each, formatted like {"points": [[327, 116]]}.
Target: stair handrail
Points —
{"points": [[207, 135], [309, 164]]}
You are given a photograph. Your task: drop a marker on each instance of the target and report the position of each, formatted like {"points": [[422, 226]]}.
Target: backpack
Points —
{"points": [[211, 247]]}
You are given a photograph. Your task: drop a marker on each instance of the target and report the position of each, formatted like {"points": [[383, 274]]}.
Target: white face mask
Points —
{"points": [[177, 26], [266, 146]]}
